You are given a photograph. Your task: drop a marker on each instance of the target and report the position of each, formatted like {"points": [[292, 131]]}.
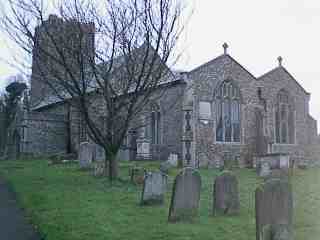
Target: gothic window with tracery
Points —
{"points": [[284, 119], [227, 102]]}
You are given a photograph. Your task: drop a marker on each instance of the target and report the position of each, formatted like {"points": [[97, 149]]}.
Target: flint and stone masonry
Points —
{"points": [[215, 109]]}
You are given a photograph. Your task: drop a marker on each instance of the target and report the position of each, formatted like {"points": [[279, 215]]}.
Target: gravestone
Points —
{"points": [[185, 196], [276, 232], [173, 159], [274, 206], [137, 174], [170, 163], [99, 169], [154, 188], [98, 153], [85, 155], [263, 169], [226, 194], [276, 160]]}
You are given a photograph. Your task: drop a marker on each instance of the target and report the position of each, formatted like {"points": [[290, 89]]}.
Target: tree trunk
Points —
{"points": [[112, 166]]}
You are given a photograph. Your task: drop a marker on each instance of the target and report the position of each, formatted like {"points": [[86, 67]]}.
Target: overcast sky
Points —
{"points": [[257, 32]]}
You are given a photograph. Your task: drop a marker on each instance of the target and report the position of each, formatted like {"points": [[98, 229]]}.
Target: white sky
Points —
{"points": [[257, 32]]}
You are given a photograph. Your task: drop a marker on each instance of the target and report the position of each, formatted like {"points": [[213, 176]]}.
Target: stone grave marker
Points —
{"points": [[154, 188], [85, 155], [263, 169], [226, 194], [170, 163], [98, 153], [137, 174], [173, 159], [276, 232], [273, 206], [99, 169], [185, 196]]}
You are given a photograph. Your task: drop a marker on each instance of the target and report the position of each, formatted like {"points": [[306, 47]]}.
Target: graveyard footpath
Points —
{"points": [[12, 221]]}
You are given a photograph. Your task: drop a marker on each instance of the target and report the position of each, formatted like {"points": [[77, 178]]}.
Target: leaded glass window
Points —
{"points": [[284, 119], [227, 102]]}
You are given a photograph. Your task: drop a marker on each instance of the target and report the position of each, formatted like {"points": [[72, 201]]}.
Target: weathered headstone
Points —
{"points": [[170, 163], [276, 232], [165, 167], [226, 194], [99, 169], [154, 188], [98, 153], [274, 206], [263, 169], [85, 155], [173, 159], [185, 196], [276, 160], [137, 174]]}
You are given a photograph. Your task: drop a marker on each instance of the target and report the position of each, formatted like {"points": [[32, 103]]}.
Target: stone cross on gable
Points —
{"points": [[225, 48], [280, 61]]}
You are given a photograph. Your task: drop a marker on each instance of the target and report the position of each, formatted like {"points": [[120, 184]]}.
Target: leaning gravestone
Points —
{"points": [[226, 194], [274, 206], [185, 196], [154, 188], [85, 154]]}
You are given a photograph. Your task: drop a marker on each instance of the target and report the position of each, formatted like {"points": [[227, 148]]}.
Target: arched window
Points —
{"points": [[227, 102], [284, 119], [155, 124]]}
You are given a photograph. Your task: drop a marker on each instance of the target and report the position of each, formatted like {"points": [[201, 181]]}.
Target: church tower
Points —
{"points": [[59, 45]]}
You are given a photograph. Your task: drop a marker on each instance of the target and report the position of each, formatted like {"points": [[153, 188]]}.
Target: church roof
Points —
{"points": [[281, 68], [213, 61]]}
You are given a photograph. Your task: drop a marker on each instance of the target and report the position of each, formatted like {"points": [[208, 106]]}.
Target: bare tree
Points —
{"points": [[114, 53]]}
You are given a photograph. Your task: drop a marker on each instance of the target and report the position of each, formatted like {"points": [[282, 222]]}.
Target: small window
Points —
{"points": [[155, 124], [204, 110]]}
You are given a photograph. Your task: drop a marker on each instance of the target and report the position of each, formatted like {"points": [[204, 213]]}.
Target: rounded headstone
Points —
{"points": [[185, 196], [226, 194], [154, 188]]}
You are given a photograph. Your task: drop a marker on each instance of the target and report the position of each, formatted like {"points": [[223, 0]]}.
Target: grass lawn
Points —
{"points": [[68, 204]]}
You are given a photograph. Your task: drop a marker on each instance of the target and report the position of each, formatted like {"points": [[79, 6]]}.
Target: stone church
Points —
{"points": [[214, 113]]}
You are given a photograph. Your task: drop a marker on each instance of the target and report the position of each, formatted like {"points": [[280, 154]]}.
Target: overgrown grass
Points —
{"points": [[66, 204]]}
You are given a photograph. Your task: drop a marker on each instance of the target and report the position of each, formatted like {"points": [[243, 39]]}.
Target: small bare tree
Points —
{"points": [[116, 49]]}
